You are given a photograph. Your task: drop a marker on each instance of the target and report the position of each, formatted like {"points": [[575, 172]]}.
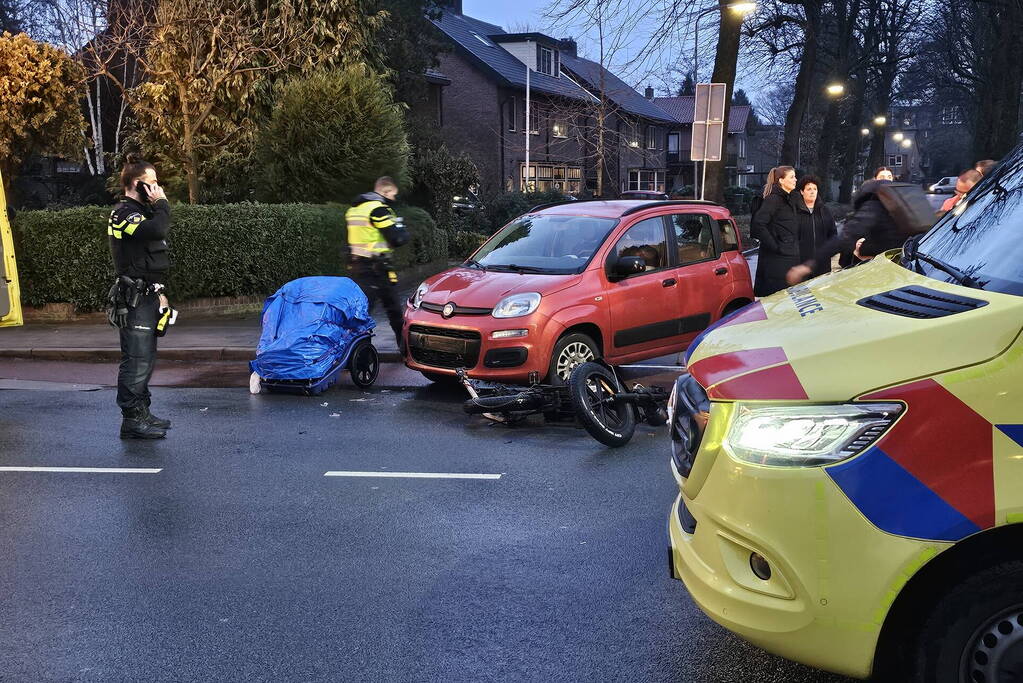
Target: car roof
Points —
{"points": [[618, 208]]}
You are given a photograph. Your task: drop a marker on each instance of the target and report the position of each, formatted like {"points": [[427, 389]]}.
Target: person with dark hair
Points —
{"points": [[884, 173], [869, 231], [776, 225], [816, 224], [374, 230], [964, 183], [137, 232]]}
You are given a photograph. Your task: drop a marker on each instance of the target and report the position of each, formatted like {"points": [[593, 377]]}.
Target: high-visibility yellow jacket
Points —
{"points": [[365, 222]]}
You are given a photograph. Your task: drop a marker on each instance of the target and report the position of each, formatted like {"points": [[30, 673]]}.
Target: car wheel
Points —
{"points": [[441, 378], [571, 351], [975, 633]]}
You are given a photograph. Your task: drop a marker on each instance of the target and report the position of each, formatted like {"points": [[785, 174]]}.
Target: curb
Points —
{"points": [[230, 353]]}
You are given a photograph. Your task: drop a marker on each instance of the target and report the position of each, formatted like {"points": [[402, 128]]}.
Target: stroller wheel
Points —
{"points": [[364, 364]]}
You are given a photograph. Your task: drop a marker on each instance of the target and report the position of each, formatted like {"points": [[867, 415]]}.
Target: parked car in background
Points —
{"points": [[946, 185], [575, 281]]}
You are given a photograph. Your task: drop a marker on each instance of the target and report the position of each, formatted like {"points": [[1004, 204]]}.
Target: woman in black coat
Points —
{"points": [[816, 225], [776, 225]]}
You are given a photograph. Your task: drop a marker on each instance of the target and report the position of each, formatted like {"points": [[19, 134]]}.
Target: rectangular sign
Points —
{"points": [[708, 122]]}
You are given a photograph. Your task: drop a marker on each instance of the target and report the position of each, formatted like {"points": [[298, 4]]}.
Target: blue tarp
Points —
{"points": [[308, 327]]}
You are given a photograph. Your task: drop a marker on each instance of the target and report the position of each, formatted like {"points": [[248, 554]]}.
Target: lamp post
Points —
{"points": [[743, 8]]}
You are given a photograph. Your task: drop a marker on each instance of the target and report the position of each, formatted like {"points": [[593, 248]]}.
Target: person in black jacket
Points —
{"points": [[816, 224], [869, 231], [776, 225], [137, 233]]}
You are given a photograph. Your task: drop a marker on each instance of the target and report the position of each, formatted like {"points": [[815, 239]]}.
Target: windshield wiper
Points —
{"points": [[521, 269], [474, 264], [960, 278]]}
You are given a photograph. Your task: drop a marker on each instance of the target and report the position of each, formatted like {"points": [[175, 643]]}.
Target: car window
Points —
{"points": [[981, 236], [729, 240], [556, 244], [645, 239], [694, 237]]}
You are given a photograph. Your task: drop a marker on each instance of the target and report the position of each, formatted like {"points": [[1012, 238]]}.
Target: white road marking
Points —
{"points": [[87, 470], [413, 475]]}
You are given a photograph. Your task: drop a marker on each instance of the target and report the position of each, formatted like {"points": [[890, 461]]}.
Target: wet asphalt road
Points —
{"points": [[240, 561]]}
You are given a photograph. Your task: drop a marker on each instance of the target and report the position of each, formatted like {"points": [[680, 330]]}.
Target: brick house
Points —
{"points": [[480, 91], [682, 109]]}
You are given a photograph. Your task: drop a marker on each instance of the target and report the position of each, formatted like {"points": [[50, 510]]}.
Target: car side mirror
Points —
{"points": [[624, 267]]}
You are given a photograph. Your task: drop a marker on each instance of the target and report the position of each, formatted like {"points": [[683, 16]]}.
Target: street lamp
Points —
{"points": [[835, 89], [898, 137], [739, 7], [864, 132], [880, 120], [907, 143]]}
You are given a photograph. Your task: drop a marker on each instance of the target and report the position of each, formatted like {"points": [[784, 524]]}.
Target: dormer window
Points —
{"points": [[547, 61]]}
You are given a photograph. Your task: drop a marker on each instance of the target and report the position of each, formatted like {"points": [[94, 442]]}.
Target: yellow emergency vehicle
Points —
{"points": [[10, 297], [849, 454]]}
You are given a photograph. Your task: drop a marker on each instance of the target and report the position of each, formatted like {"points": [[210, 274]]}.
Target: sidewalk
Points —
{"points": [[199, 339]]}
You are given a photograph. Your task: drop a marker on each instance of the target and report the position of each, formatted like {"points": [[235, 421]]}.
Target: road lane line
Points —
{"points": [[413, 475], [87, 470]]}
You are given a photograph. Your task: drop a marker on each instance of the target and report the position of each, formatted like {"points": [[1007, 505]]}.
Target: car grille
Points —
{"points": [[442, 347], [920, 302], [459, 310]]}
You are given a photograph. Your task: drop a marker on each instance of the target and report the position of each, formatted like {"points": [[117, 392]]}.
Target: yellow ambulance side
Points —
{"points": [[10, 294]]}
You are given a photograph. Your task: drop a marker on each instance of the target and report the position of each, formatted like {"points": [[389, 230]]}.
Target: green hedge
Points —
{"points": [[225, 250]]}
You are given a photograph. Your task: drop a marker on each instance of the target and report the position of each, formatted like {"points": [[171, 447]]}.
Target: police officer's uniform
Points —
{"points": [[373, 229], [138, 243]]}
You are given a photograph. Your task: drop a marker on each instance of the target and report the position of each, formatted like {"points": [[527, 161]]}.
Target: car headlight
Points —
{"points": [[417, 298], [517, 305], [806, 435]]}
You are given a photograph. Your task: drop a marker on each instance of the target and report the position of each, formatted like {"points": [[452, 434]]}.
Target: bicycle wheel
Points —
{"points": [[592, 388]]}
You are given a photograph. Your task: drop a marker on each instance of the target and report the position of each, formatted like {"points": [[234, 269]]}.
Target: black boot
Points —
{"points": [[135, 426], [157, 422]]}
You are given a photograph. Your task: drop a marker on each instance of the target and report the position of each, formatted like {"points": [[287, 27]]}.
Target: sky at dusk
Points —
{"points": [[506, 13]]}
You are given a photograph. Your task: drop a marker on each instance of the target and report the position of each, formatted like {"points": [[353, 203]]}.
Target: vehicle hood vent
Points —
{"points": [[920, 302]]}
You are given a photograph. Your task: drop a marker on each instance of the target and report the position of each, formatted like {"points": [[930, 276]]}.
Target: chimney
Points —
{"points": [[649, 93], [568, 46]]}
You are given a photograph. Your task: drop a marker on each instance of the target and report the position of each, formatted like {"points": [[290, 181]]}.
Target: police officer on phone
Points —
{"points": [[374, 230], [137, 305]]}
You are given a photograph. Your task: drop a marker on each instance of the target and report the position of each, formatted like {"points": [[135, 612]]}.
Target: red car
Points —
{"points": [[574, 281]]}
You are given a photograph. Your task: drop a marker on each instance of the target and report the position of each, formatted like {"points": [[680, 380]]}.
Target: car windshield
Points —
{"points": [[545, 243], [981, 236]]}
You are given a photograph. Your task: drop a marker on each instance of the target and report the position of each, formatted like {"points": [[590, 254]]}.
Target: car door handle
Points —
{"points": [[721, 271], [670, 282]]}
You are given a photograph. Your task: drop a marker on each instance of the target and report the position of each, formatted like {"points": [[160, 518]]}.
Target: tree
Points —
{"points": [[725, 61], [330, 136], [39, 111], [438, 177], [205, 62]]}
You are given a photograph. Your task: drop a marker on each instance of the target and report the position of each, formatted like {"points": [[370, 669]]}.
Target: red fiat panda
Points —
{"points": [[570, 282]]}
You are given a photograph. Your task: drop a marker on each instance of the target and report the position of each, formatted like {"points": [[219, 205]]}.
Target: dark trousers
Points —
{"points": [[138, 356], [371, 276]]}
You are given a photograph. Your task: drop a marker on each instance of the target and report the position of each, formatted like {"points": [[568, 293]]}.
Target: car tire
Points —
{"points": [[975, 632], [571, 351], [440, 378], [612, 424]]}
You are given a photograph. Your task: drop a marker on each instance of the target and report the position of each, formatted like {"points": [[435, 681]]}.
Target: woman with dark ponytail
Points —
{"points": [[776, 225]]}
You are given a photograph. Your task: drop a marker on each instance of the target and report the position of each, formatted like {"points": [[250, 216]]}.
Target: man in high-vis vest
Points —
{"points": [[374, 230]]}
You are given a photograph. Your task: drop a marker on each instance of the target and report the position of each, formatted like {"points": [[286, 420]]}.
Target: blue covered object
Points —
{"points": [[309, 326]]}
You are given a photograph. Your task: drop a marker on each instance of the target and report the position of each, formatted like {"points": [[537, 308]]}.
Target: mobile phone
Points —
{"points": [[143, 190]]}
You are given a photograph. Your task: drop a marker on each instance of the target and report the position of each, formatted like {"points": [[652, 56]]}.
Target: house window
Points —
{"points": [[547, 177], [673, 147], [651, 138], [559, 128], [643, 179], [895, 160], [510, 113], [482, 39], [951, 116], [548, 61], [534, 120]]}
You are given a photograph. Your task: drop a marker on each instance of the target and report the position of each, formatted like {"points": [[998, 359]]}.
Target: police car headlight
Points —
{"points": [[517, 305], [806, 435], [417, 298]]}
